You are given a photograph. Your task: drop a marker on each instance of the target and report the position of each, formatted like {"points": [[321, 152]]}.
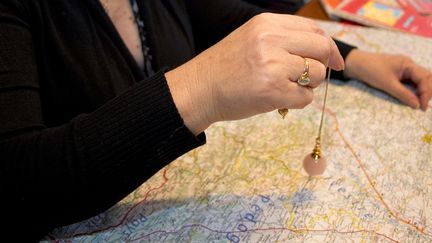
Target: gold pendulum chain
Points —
{"points": [[316, 153]]}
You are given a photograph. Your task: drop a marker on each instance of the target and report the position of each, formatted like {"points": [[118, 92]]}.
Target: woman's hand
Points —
{"points": [[386, 72], [253, 70]]}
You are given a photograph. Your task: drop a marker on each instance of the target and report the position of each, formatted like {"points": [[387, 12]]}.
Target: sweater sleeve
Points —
{"points": [[55, 176]]}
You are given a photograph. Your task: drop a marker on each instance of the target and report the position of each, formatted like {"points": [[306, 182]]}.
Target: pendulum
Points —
{"points": [[315, 163]]}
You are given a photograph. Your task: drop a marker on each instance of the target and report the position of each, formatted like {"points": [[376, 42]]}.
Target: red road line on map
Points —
{"points": [[372, 184], [122, 221], [298, 230]]}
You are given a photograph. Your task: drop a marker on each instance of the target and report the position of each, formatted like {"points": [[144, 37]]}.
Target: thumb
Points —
{"points": [[405, 95]]}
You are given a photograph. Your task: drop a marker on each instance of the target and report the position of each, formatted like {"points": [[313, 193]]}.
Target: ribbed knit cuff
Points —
{"points": [[344, 50], [140, 123]]}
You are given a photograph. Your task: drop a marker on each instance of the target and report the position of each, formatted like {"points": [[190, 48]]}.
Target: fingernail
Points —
{"points": [[341, 63]]}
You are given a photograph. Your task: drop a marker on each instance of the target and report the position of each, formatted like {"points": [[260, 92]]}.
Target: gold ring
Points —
{"points": [[304, 78]]}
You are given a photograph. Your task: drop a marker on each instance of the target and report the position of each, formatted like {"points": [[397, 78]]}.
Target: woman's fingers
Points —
{"points": [[309, 45], [425, 91], [281, 71], [311, 68], [402, 93], [295, 97], [422, 77], [310, 35], [281, 68]]}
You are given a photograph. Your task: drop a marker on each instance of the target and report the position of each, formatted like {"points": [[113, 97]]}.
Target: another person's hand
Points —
{"points": [[387, 72], [253, 70]]}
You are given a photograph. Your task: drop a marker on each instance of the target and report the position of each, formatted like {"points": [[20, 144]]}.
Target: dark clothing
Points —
{"points": [[279, 6], [80, 125]]}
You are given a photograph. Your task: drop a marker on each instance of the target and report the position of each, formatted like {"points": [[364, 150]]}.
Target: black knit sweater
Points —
{"points": [[80, 125]]}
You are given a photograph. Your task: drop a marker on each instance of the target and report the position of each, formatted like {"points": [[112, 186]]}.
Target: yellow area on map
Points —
{"points": [[427, 138], [381, 13]]}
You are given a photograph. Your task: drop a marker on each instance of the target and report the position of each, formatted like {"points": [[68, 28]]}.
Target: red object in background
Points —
{"points": [[390, 14], [423, 7], [387, 14]]}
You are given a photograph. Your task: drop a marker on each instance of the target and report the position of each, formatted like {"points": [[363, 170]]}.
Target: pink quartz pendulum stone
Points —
{"points": [[315, 164]]}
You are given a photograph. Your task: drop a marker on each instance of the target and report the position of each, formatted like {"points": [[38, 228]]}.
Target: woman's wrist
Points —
{"points": [[190, 96], [353, 64]]}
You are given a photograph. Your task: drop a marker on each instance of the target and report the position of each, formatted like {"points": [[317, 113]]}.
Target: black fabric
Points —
{"points": [[80, 125], [279, 6], [147, 65]]}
